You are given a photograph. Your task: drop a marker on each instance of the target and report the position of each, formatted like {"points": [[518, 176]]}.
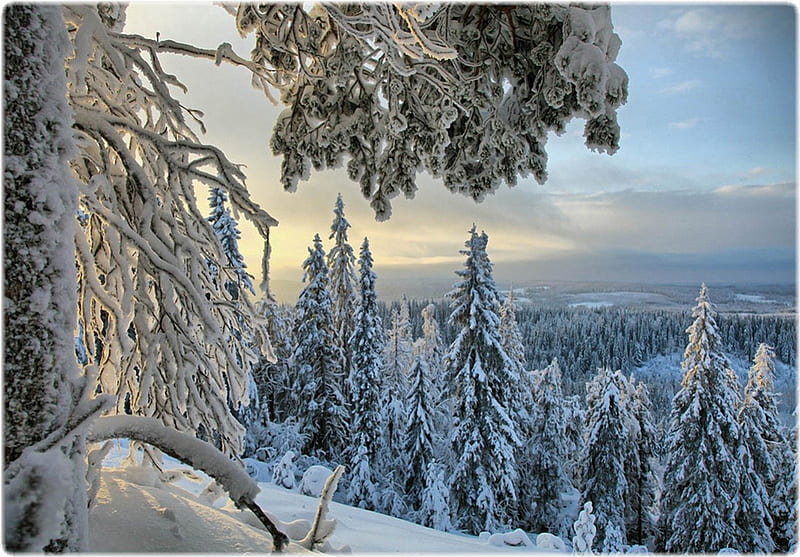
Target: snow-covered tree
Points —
{"points": [[642, 493], [768, 445], [272, 376], [510, 333], [543, 477], [227, 230], [156, 322], [465, 92], [605, 450], [702, 473], [418, 442], [365, 387], [430, 347], [343, 283], [47, 400], [434, 511], [319, 403], [397, 356], [584, 529], [484, 436]]}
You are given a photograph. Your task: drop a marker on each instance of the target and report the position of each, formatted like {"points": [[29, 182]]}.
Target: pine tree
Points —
{"points": [[227, 230], [641, 496], [319, 403], [605, 450], [365, 387], [769, 448], [418, 436], [484, 436], [701, 482], [434, 510], [430, 347], [343, 283], [543, 477], [396, 359]]}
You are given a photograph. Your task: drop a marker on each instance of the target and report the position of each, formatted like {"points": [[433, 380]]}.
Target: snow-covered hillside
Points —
{"points": [[136, 511]]}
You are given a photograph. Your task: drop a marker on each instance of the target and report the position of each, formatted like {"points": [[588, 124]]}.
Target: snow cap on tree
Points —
{"points": [[703, 471]]}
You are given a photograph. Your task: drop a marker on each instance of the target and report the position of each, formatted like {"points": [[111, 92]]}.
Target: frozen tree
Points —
{"points": [[465, 92], [484, 435], [510, 333], [434, 511], [364, 381], [343, 282], [584, 529], [157, 323], [430, 347], [702, 474], [604, 453], [227, 230], [641, 496], [283, 472], [543, 477], [397, 355], [418, 436], [48, 402], [769, 447], [272, 375], [319, 403]]}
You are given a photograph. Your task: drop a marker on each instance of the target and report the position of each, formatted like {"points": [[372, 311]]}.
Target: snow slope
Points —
{"points": [[137, 512]]}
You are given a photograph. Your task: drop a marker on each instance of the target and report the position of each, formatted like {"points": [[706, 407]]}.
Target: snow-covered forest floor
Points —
{"points": [[138, 512]]}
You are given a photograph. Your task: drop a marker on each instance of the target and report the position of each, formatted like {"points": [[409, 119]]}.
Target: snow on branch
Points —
{"points": [[321, 529], [231, 475]]}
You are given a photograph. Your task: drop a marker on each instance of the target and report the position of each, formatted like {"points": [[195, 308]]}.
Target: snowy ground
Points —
{"points": [[137, 512]]}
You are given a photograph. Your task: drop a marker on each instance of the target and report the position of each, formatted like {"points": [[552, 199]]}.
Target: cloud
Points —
{"points": [[710, 31], [658, 73], [681, 87], [685, 124]]}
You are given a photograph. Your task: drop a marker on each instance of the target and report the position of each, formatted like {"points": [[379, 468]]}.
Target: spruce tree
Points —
{"points": [[227, 231], [434, 511], [484, 435], [605, 450], [767, 442], [701, 482], [318, 401], [543, 477], [418, 436], [642, 481], [343, 282], [365, 387]]}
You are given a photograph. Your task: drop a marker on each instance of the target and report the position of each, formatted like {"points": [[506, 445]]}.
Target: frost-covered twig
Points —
{"points": [[321, 529]]}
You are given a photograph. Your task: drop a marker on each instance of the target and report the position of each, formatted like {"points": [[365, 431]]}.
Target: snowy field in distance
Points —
{"points": [[138, 513]]}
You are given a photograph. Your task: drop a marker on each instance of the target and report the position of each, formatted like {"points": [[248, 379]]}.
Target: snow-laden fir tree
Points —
{"points": [[468, 93], [767, 441], [418, 443], [642, 493], [227, 230], [520, 394], [343, 282], [702, 471], [397, 355], [272, 375], [484, 436], [364, 382], [584, 529], [604, 452], [431, 347], [434, 511], [543, 477], [320, 406], [48, 401]]}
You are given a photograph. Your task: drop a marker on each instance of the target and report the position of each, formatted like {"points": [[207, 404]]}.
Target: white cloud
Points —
{"points": [[709, 31], [658, 73], [681, 87], [685, 124]]}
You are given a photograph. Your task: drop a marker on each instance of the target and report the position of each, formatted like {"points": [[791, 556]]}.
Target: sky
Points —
{"points": [[703, 187]]}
